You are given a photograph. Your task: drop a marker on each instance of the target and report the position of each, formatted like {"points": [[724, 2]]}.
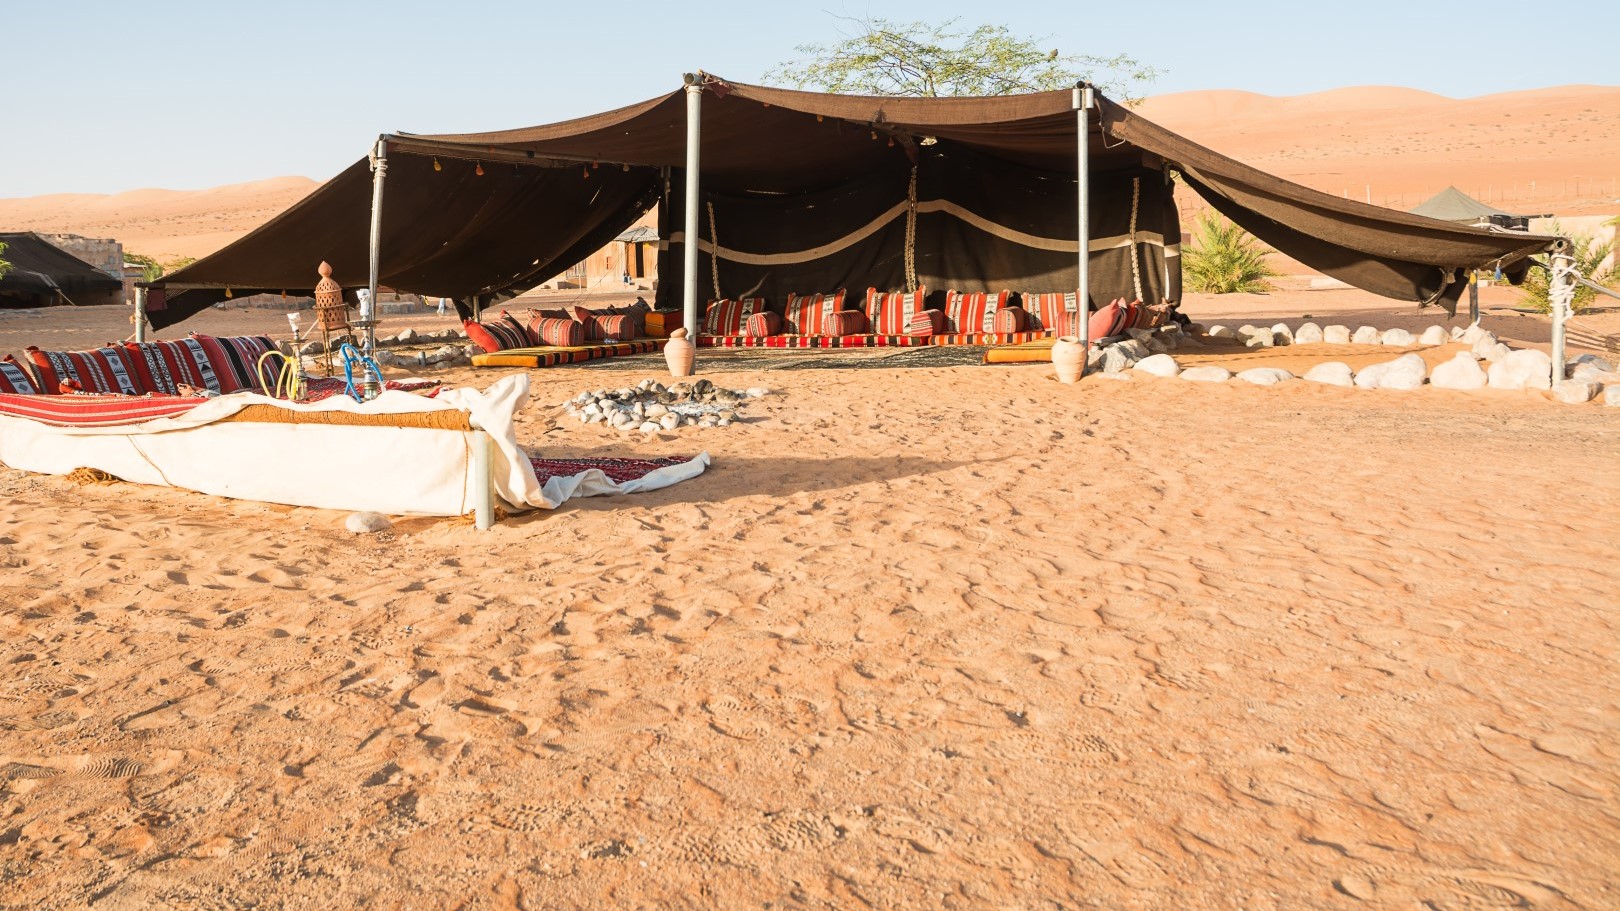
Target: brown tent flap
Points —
{"points": [[807, 192]]}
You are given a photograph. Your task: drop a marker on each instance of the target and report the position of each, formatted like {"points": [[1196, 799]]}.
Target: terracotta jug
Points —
{"points": [[1068, 356], [679, 353]]}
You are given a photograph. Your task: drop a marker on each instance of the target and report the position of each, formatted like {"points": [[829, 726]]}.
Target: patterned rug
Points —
{"points": [[320, 388], [620, 470]]}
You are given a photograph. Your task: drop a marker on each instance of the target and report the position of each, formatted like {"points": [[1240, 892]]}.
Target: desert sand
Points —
{"points": [[921, 638], [1553, 150]]}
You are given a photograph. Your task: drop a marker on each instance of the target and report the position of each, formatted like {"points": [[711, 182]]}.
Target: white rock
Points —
{"points": [[1483, 342], [1405, 372], [670, 420], [1611, 396], [1434, 335], [1114, 359], [1307, 334], [1133, 349], [1457, 333], [1265, 376], [1336, 335], [1589, 368], [1333, 373], [655, 411], [1246, 328], [1282, 335], [650, 427], [1258, 338], [1220, 332], [1496, 352], [1158, 365], [1396, 337], [1141, 335], [1366, 335], [1206, 374], [1473, 332], [1529, 368], [758, 392], [406, 336], [367, 523], [1574, 392], [1461, 372]]}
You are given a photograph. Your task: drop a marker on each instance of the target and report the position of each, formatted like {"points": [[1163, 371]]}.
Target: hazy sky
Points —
{"points": [[109, 96]]}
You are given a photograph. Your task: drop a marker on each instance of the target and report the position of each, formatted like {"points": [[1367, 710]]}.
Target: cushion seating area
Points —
{"points": [[221, 365], [550, 356]]}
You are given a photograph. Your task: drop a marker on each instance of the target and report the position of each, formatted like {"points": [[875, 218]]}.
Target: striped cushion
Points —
{"points": [[763, 325], [235, 362], [891, 313], [810, 315], [564, 333], [1151, 317], [15, 378], [1108, 320], [728, 317], [617, 326], [975, 312], [103, 370], [1055, 312], [846, 322], [926, 323], [1009, 320], [499, 335], [163, 366]]}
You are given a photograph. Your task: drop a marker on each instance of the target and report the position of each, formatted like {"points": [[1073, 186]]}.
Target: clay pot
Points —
{"points": [[1068, 356], [679, 353]]}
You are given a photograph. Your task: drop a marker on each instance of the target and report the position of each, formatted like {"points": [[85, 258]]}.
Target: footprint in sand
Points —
{"points": [[1558, 771]]}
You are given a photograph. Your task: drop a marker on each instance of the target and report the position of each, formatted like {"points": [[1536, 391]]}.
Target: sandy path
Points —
{"points": [[1131, 645]]}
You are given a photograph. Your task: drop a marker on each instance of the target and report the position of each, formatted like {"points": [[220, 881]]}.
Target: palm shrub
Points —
{"points": [[1224, 259], [4, 266], [1589, 255]]}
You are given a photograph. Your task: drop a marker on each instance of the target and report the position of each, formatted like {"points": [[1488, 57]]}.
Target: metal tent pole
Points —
{"points": [[1473, 297], [1560, 293], [140, 314], [1083, 101], [689, 250], [379, 172]]}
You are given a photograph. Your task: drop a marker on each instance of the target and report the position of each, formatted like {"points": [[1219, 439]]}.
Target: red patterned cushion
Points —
{"points": [[926, 323], [103, 370], [619, 326], [579, 313], [235, 362], [810, 315], [163, 366], [973, 313], [564, 333], [1151, 316], [1009, 320], [763, 325], [497, 336], [1108, 320], [891, 313], [846, 322], [15, 378], [1055, 312], [728, 317]]}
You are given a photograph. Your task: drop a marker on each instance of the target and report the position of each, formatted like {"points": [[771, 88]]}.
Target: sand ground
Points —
{"points": [[932, 638]]}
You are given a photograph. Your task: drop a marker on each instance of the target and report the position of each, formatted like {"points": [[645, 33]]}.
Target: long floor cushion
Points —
{"points": [[865, 341], [550, 356]]}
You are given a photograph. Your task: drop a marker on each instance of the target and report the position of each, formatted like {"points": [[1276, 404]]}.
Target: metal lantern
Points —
{"points": [[330, 310]]}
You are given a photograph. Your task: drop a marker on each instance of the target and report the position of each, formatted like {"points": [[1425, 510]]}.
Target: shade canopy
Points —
{"points": [[41, 268], [809, 192]]}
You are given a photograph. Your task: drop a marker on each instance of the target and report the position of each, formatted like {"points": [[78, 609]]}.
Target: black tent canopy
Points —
{"points": [[809, 192], [42, 271]]}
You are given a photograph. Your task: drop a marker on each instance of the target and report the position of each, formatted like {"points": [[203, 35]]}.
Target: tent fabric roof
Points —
{"points": [[1452, 204], [41, 267], [454, 236]]}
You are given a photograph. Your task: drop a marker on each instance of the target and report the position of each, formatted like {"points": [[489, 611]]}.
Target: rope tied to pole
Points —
{"points": [[1136, 264], [714, 252], [1561, 287], [911, 231]]}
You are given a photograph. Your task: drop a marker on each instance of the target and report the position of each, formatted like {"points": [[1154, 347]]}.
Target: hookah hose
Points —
{"points": [[351, 357], [289, 380]]}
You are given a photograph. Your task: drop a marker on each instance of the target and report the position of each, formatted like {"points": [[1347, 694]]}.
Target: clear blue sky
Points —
{"points": [[110, 96]]}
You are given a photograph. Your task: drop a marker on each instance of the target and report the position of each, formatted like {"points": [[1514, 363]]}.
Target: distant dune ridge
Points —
{"points": [[1540, 150]]}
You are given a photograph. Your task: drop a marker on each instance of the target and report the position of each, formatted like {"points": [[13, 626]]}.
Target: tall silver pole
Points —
{"points": [[1560, 293], [379, 171], [140, 314], [1083, 102], [689, 250], [1473, 297]]}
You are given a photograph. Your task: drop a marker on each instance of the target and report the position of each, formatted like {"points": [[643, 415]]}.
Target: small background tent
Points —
{"points": [[44, 275], [1452, 204], [808, 192]]}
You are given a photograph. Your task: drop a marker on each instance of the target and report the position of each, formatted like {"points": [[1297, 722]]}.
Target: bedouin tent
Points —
{"points": [[807, 192], [44, 274], [1452, 204]]}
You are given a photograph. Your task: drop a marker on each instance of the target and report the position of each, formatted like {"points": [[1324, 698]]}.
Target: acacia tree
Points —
{"points": [[883, 57]]}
